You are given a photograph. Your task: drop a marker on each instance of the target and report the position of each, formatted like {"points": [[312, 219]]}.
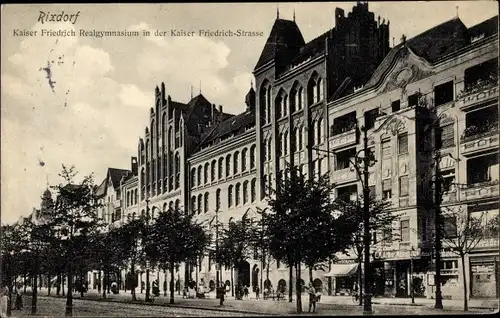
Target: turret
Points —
{"points": [[250, 99]]}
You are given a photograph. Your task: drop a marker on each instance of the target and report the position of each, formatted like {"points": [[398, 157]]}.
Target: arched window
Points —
{"points": [[320, 163], [200, 203], [193, 204], [228, 165], [205, 173], [212, 170], [245, 192], [265, 102], [244, 153], [294, 140], [217, 200], [321, 129], [237, 194], [284, 103], [312, 90], [269, 150], [199, 176], [313, 132], [193, 177], [285, 142], [230, 196], [206, 203], [177, 162], [304, 137], [319, 85], [280, 145], [252, 157], [135, 196], [236, 163], [253, 189], [221, 168], [278, 106], [293, 99], [300, 98]]}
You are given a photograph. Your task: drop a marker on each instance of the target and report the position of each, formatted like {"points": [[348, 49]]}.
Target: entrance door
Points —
{"points": [[255, 277], [243, 277]]}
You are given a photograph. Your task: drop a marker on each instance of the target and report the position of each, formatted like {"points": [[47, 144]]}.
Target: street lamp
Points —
{"points": [[367, 160]]}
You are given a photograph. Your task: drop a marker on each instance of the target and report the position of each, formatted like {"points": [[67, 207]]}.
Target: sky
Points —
{"points": [[103, 87]]}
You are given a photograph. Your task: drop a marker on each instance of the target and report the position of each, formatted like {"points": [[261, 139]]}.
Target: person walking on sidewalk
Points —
{"points": [[257, 292], [312, 296]]}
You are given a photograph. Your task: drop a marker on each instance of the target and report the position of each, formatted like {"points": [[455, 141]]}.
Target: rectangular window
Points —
{"points": [[450, 227], [370, 118], [448, 180], [443, 93], [405, 231], [403, 186], [386, 148], [386, 189], [344, 158], [413, 100], [403, 144], [445, 136], [372, 191], [395, 105]]}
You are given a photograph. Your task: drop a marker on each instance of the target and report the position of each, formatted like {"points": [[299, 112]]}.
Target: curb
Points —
{"points": [[426, 305], [218, 309]]}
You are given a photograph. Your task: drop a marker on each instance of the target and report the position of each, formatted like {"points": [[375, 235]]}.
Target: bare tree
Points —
{"points": [[462, 231]]}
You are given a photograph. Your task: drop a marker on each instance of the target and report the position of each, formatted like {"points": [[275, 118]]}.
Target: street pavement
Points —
{"points": [[329, 305]]}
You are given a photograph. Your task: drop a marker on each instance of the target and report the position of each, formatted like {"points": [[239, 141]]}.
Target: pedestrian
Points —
{"points": [[222, 293], [19, 298], [4, 301], [312, 296], [245, 291], [257, 292]]}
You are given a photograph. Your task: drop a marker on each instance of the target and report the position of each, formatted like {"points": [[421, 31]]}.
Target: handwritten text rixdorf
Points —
{"points": [[58, 17]]}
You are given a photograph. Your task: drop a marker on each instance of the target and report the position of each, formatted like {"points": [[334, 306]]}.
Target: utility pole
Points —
{"points": [[367, 304], [437, 229]]}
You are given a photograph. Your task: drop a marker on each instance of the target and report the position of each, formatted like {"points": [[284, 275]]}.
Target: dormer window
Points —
{"points": [[477, 38]]}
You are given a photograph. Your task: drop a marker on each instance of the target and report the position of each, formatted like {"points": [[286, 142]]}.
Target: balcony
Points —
{"points": [[479, 137], [482, 190], [344, 139], [344, 175], [480, 92]]}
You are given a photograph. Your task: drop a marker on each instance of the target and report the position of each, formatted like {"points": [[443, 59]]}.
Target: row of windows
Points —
{"points": [[293, 102], [132, 197], [201, 203], [201, 174]]}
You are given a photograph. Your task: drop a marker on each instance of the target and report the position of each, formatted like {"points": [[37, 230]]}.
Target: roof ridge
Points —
{"points": [[435, 27]]}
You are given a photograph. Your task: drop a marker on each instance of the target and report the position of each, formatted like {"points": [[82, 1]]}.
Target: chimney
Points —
{"points": [[220, 109], [134, 165]]}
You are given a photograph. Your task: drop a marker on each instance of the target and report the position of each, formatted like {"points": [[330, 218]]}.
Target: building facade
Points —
{"points": [[219, 166]]}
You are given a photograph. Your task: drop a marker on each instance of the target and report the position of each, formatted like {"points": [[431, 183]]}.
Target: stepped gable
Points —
{"points": [[284, 42]]}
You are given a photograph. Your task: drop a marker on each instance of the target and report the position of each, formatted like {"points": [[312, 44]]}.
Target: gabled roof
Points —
{"points": [[312, 49], [234, 124], [440, 40], [116, 175], [487, 27], [285, 40]]}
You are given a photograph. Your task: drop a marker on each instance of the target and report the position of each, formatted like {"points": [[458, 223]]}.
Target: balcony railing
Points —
{"points": [[481, 190], [344, 175], [344, 139], [480, 91]]}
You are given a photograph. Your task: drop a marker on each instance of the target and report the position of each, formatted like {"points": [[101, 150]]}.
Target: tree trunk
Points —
{"points": [[165, 283], [466, 306], [63, 280], [108, 281], [48, 283], [147, 285], [171, 282], [290, 290], [35, 292], [232, 283], [298, 290], [25, 283], [81, 283], [40, 279], [310, 274], [132, 272], [360, 284], [104, 280], [58, 284], [69, 298], [9, 302]]}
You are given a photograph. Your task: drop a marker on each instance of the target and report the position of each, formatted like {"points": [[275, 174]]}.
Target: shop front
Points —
{"points": [[484, 277], [344, 277]]}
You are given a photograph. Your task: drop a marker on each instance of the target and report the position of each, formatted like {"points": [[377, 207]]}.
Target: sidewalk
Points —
{"points": [[270, 307]]}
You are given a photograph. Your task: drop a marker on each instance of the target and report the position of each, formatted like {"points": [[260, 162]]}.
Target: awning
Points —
{"points": [[343, 270]]}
